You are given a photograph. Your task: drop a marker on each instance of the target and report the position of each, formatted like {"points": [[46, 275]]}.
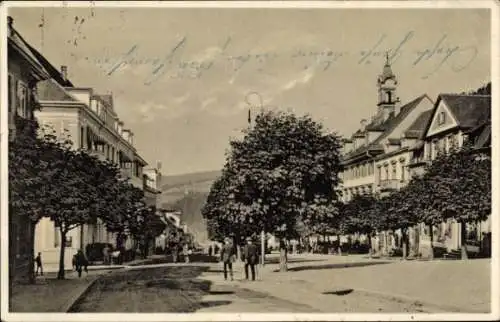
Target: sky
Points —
{"points": [[183, 79]]}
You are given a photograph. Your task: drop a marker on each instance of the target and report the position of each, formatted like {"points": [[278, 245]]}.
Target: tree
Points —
{"points": [[462, 181], [119, 208], [283, 169], [29, 174], [396, 212], [361, 215]]}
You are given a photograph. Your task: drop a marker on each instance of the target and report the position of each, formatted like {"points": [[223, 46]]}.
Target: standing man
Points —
{"points": [[81, 262], [38, 261], [251, 257], [227, 256], [105, 255]]}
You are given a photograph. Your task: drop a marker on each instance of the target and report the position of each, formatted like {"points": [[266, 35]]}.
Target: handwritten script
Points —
{"points": [[173, 64]]}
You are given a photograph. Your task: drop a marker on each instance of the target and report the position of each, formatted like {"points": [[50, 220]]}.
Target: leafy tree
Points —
{"points": [[283, 171], [29, 173], [119, 208], [361, 215], [462, 180], [396, 212]]}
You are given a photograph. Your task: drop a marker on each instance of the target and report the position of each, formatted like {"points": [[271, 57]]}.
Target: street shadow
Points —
{"points": [[277, 260], [339, 292], [194, 258], [220, 292], [208, 304], [331, 266]]}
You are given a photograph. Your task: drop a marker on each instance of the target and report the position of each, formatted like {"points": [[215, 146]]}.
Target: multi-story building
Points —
{"points": [[24, 72], [152, 186], [453, 120], [375, 157], [90, 120]]}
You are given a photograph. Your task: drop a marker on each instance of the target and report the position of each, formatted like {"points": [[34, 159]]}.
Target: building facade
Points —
{"points": [[455, 119], [24, 72], [375, 157], [90, 121]]}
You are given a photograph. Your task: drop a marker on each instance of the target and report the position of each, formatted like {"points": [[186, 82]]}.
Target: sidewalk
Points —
{"points": [[457, 286], [50, 294]]}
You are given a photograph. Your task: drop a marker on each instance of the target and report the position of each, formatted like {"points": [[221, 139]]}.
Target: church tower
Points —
{"points": [[387, 84]]}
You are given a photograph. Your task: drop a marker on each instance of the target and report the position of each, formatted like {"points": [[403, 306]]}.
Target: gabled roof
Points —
{"points": [[417, 129], [22, 46], [387, 127], [53, 72], [50, 90], [469, 110]]}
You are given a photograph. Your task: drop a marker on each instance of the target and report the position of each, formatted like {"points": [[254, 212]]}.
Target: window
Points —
{"points": [[452, 141], [10, 96], [82, 136], [402, 172], [441, 118], [22, 94], [394, 176], [379, 173], [386, 172]]}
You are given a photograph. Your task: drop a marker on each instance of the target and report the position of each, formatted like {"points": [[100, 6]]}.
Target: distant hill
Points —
{"points": [[188, 193]]}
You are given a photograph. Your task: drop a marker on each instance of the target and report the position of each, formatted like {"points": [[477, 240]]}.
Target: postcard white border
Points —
{"points": [[441, 4]]}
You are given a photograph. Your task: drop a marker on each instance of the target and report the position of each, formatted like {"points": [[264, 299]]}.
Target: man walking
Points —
{"points": [[227, 256], [38, 261], [81, 262], [250, 256]]}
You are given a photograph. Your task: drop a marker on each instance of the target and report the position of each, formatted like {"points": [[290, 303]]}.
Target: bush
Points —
{"points": [[396, 252], [159, 251], [94, 251]]}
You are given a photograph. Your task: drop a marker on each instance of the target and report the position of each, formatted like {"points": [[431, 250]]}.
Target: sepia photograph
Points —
{"points": [[252, 160]]}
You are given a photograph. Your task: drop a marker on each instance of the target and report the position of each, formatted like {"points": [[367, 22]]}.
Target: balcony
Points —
{"points": [[134, 180], [98, 154], [389, 185]]}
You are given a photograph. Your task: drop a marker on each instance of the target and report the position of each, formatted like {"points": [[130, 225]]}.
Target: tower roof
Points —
{"points": [[387, 71]]}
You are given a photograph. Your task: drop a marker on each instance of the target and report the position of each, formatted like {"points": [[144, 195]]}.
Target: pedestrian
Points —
{"points": [[210, 250], [227, 256], [175, 252], [81, 262], [38, 261], [250, 257], [185, 252], [105, 254]]}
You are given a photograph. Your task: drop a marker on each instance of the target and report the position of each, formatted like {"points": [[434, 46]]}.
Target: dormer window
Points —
{"points": [[441, 118]]}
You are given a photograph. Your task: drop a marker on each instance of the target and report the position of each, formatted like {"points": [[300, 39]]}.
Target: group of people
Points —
{"points": [[80, 263], [249, 255]]}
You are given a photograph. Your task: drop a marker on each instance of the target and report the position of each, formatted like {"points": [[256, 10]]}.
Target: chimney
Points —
{"points": [[363, 124], [10, 21], [64, 72]]}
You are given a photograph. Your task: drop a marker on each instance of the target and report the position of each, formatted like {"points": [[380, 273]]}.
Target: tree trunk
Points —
{"points": [[60, 274], [463, 240], [404, 240], [370, 252], [283, 259], [31, 263], [340, 245], [431, 247]]}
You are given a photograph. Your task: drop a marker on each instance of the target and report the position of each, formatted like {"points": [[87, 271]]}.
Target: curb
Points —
{"points": [[78, 297]]}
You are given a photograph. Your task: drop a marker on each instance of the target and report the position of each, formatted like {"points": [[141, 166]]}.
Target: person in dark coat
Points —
{"points": [[250, 256], [38, 261], [227, 256], [81, 262]]}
